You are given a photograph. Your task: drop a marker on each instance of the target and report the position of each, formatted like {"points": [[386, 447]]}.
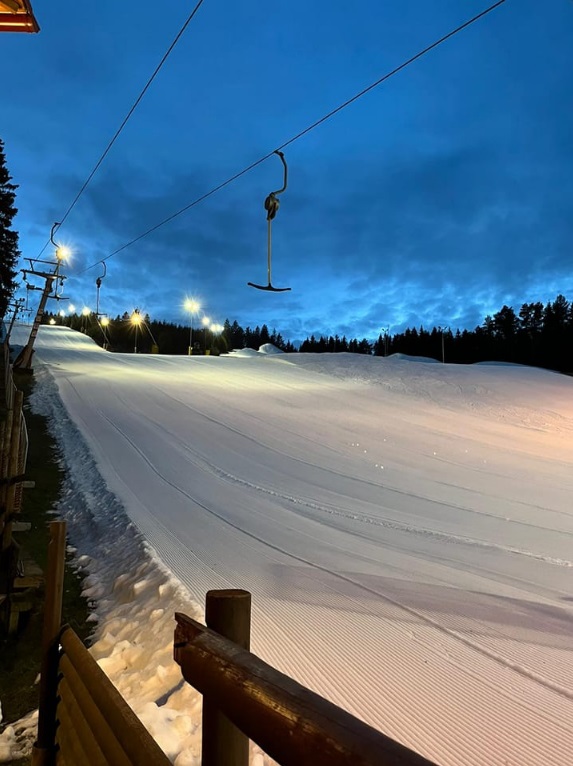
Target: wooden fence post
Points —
{"points": [[228, 612], [44, 747], [13, 467]]}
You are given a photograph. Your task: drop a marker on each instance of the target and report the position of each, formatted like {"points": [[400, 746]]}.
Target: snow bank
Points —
{"points": [[408, 358], [132, 596], [266, 348]]}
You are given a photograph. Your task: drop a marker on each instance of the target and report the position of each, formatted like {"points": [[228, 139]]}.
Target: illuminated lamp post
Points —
{"points": [[136, 320], [216, 329], [193, 307], [104, 325], [205, 321], [85, 314]]}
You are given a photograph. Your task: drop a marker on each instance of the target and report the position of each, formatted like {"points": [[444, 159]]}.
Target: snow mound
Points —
{"points": [[243, 352], [408, 358], [268, 348]]}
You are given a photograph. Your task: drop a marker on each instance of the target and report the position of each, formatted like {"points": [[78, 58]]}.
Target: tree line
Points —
{"points": [[538, 335]]}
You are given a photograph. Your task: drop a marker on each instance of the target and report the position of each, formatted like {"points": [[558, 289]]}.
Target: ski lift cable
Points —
{"points": [[304, 132], [128, 115]]}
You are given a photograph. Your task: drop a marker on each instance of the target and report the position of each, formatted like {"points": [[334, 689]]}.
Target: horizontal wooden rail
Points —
{"points": [[295, 726]]}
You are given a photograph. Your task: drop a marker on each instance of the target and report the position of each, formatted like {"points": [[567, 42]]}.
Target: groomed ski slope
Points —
{"points": [[405, 527]]}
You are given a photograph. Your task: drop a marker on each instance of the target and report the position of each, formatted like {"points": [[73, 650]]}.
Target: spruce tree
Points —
{"points": [[9, 252]]}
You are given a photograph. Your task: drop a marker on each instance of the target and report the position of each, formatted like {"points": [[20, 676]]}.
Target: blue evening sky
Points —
{"points": [[434, 199]]}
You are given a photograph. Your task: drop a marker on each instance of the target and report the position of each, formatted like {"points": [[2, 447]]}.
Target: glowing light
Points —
{"points": [[205, 321], [62, 313], [136, 318], [63, 253], [52, 320], [104, 321], [86, 312], [192, 306], [72, 308]]}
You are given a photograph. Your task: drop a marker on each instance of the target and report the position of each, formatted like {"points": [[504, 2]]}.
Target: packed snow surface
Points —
{"points": [[405, 529]]}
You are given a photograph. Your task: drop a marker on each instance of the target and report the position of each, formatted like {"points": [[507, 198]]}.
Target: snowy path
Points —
{"points": [[405, 528]]}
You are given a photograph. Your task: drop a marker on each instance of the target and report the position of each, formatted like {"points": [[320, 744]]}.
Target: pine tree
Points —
{"points": [[9, 252]]}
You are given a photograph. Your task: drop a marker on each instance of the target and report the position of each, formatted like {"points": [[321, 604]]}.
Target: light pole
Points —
{"points": [[85, 314], [216, 329], [205, 321], [24, 358], [136, 321], [192, 306], [104, 325], [443, 344], [386, 331]]}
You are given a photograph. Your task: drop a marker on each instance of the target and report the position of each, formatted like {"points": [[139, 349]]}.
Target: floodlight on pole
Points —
{"points": [[24, 359], [205, 321], [136, 320], [193, 307]]}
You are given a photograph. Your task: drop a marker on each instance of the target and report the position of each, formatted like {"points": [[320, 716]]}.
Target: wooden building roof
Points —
{"points": [[17, 16]]}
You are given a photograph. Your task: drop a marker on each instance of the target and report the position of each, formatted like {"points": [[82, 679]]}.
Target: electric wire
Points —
{"points": [[304, 132], [128, 115]]}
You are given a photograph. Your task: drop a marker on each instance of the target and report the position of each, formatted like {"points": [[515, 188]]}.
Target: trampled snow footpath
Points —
{"points": [[405, 528]]}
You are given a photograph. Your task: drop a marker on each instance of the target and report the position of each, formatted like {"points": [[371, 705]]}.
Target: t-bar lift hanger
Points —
{"points": [[271, 206]]}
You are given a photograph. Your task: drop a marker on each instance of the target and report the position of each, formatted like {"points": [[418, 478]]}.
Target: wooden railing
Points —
{"points": [[244, 698], [84, 721], [82, 718], [13, 455]]}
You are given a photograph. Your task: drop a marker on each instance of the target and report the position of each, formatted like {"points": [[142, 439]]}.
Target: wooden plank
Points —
{"points": [[67, 739], [134, 738], [79, 725], [45, 742], [107, 740], [32, 576]]}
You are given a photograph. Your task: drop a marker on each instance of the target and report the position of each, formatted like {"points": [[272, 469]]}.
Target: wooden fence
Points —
{"points": [[244, 698], [82, 718], [13, 454], [84, 721]]}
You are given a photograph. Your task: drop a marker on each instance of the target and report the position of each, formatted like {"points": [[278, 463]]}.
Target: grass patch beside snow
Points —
{"points": [[20, 655]]}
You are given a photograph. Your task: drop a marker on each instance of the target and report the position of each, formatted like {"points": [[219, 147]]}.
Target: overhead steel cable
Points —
{"points": [[128, 115], [302, 133]]}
